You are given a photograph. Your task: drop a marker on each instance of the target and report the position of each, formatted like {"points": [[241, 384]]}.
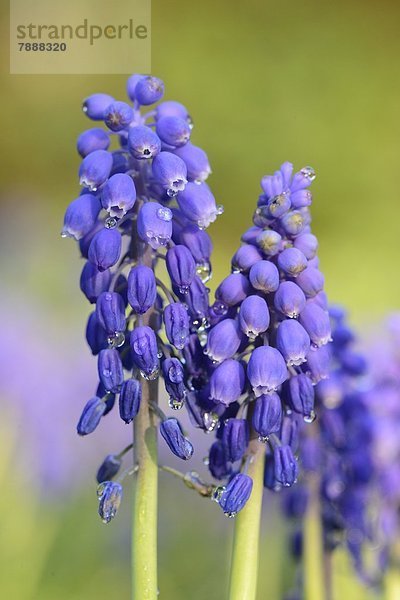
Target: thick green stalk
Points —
{"points": [[313, 553], [144, 532], [244, 567]]}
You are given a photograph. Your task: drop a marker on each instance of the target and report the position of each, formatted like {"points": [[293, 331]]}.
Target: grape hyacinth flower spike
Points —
{"points": [[266, 327], [140, 222]]}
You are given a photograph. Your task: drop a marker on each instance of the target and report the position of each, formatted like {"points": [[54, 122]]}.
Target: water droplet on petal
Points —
{"points": [[164, 214], [111, 222], [309, 173], [116, 340], [310, 418], [220, 209], [210, 420], [263, 438], [230, 515], [217, 494], [175, 404]]}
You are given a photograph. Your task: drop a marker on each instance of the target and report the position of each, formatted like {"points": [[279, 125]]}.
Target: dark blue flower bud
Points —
{"points": [[91, 415], [353, 363], [177, 327], [286, 468], [142, 290], [96, 337], [198, 242], [110, 310], [95, 105], [292, 261], [144, 351], [311, 281], [223, 340], [264, 276], [107, 397], [245, 257], [91, 140], [129, 399], [235, 437], [227, 382], [293, 222], [118, 115], [266, 370], [172, 433], [233, 289], [80, 216], [93, 282], [295, 502], [318, 363], [198, 205], [95, 169], [292, 341], [253, 316], [170, 172], [290, 432], [109, 494], [194, 356], [269, 242], [267, 415], [217, 461], [131, 84], [110, 369], [143, 142], [299, 394], [108, 468], [105, 248], [316, 322], [154, 224], [197, 300], [181, 267], [173, 131], [149, 90], [236, 494], [307, 243], [118, 195], [174, 381], [289, 299], [171, 108], [196, 161], [85, 242], [269, 473]]}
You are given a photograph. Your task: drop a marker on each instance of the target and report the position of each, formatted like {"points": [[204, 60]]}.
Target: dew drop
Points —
{"points": [[117, 340], [310, 418], [64, 234], [175, 404], [164, 214], [308, 173], [231, 515], [220, 209], [217, 494], [210, 421], [204, 271], [263, 438], [111, 222]]}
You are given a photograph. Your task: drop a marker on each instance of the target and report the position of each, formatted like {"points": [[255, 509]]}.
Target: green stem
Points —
{"points": [[313, 553], [244, 568], [144, 533]]}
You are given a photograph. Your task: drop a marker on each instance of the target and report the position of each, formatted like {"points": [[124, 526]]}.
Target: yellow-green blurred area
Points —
{"points": [[313, 82]]}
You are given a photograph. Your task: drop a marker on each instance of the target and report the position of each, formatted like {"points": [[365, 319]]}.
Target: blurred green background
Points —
{"points": [[311, 82]]}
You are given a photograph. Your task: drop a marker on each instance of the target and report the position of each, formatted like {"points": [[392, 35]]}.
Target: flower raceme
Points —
{"points": [[144, 203]]}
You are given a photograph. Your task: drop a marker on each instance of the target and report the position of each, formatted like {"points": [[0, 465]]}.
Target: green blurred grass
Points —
{"points": [[313, 82]]}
